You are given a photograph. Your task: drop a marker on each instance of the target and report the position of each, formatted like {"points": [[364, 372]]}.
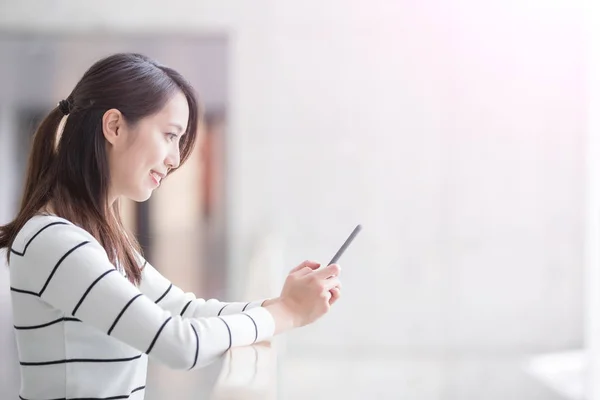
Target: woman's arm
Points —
{"points": [[173, 299]]}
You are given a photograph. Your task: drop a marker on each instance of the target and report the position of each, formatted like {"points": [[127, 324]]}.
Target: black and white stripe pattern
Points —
{"points": [[164, 294], [62, 319], [124, 396], [22, 253], [69, 307]]}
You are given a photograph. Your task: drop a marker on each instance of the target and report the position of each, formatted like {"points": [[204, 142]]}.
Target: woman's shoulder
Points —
{"points": [[49, 230]]}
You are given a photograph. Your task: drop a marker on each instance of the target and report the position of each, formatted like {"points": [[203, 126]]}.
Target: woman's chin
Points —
{"points": [[140, 196]]}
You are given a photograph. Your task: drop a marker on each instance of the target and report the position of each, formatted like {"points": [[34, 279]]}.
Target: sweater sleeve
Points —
{"points": [[68, 269], [172, 298]]}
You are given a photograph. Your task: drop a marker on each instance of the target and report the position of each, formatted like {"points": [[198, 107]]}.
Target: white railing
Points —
{"points": [[252, 372]]}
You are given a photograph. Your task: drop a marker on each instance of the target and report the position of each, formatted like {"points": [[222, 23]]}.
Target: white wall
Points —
{"points": [[592, 292], [452, 131], [7, 181]]}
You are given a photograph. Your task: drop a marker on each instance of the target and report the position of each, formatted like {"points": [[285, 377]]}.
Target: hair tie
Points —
{"points": [[64, 106]]}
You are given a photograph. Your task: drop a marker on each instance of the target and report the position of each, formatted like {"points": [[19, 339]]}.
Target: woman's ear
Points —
{"points": [[112, 124]]}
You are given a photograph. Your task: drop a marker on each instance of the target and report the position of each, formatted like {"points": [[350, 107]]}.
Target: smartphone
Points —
{"points": [[342, 249]]}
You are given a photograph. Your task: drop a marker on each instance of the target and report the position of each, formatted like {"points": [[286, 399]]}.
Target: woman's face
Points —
{"points": [[140, 156]]}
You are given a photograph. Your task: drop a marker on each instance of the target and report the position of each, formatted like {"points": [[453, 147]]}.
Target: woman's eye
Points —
{"points": [[171, 136]]}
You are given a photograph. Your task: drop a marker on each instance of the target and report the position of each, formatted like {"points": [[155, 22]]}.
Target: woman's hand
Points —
{"points": [[307, 295]]}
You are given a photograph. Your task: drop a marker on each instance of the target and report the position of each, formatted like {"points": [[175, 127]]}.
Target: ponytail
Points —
{"points": [[43, 153], [38, 181]]}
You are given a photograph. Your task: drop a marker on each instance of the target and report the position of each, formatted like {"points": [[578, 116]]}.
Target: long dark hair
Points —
{"points": [[74, 176]]}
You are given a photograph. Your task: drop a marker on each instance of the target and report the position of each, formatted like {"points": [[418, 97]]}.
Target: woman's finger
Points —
{"points": [[331, 283], [310, 264], [328, 271], [335, 295]]}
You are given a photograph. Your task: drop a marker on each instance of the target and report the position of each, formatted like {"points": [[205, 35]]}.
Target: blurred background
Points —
{"points": [[462, 134]]}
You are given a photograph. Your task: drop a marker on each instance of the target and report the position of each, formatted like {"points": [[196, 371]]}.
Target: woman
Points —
{"points": [[87, 308]]}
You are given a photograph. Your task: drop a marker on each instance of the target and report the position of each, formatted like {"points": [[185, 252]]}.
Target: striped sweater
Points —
{"points": [[85, 332]]}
